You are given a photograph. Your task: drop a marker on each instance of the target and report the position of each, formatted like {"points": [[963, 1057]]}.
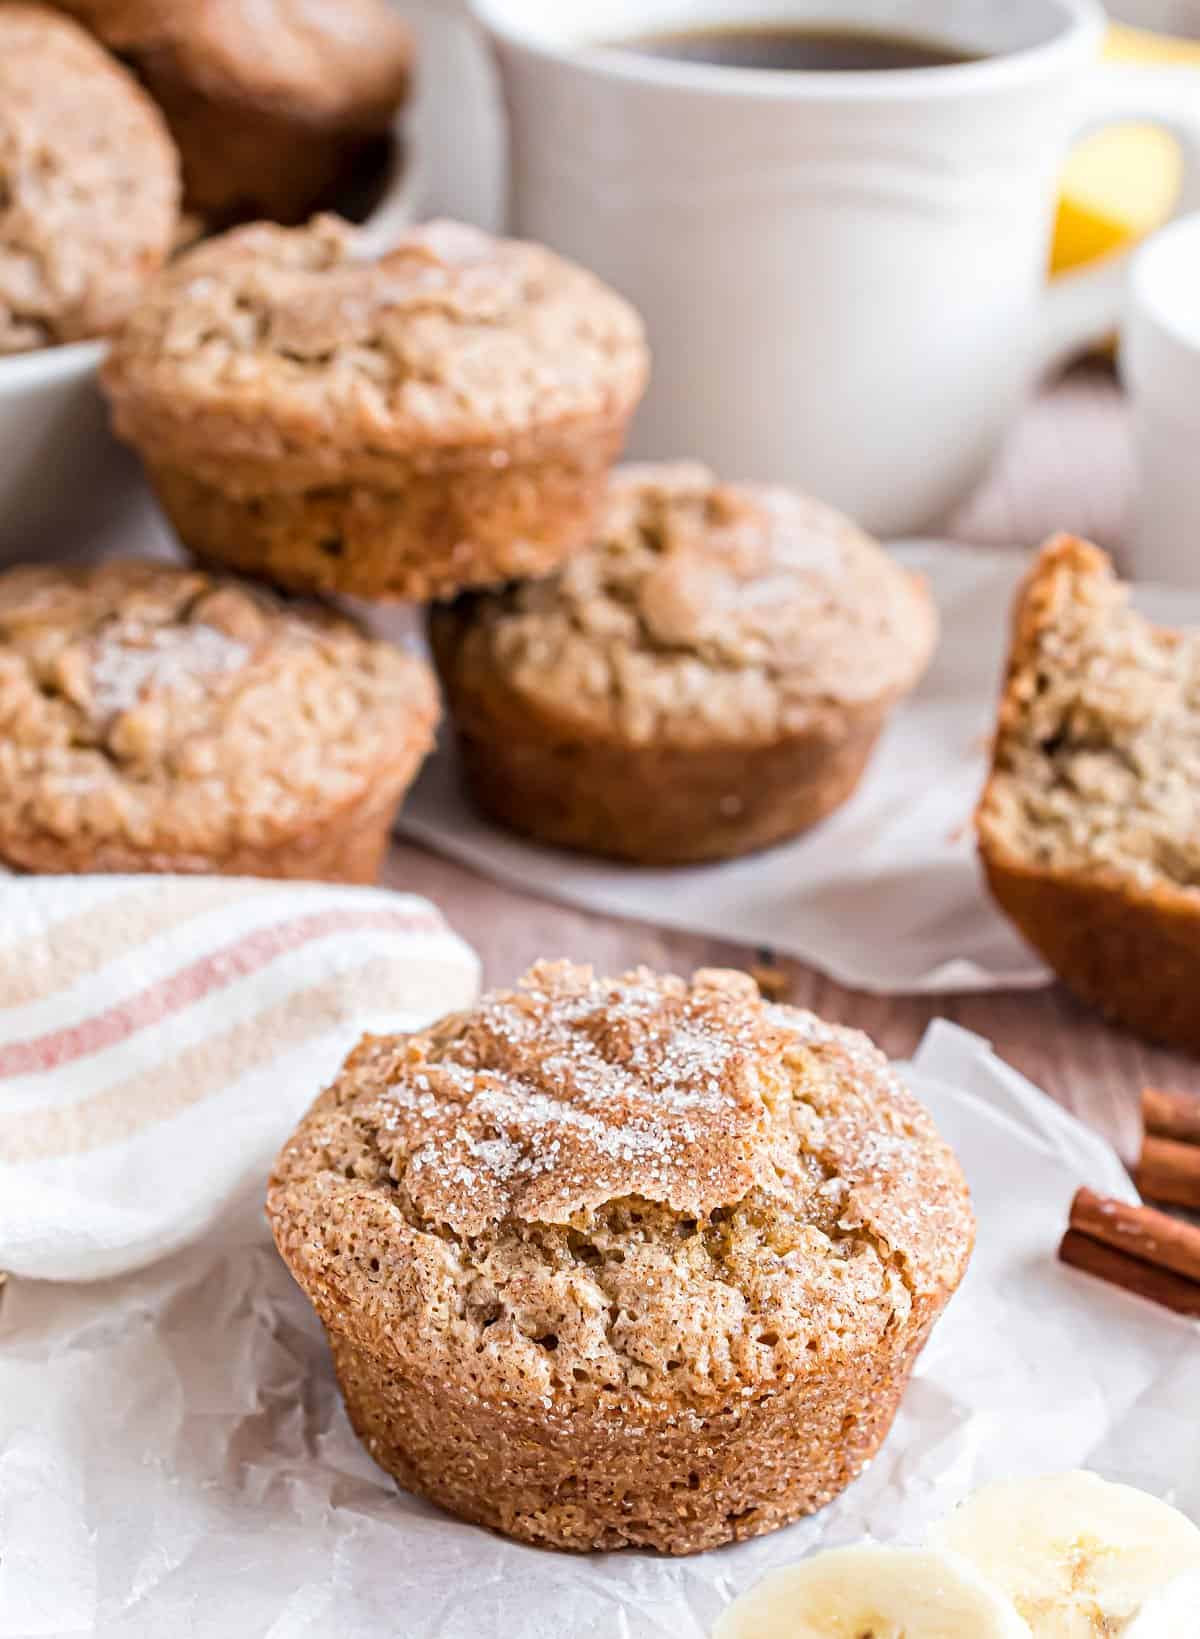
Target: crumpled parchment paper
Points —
{"points": [[174, 1459], [886, 895]]}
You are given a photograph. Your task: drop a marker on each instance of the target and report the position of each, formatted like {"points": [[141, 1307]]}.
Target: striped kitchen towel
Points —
{"points": [[160, 1036]]}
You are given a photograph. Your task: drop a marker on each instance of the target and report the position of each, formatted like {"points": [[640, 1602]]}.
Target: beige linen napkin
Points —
{"points": [[159, 1036]]}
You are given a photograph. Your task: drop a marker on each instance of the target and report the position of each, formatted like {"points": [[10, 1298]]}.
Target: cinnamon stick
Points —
{"points": [[1140, 1232], [1169, 1171], [1162, 1286], [1171, 1115]]}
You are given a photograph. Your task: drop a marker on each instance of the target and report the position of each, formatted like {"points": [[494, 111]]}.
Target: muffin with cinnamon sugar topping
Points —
{"points": [[707, 677], [623, 1262], [159, 719], [402, 426]]}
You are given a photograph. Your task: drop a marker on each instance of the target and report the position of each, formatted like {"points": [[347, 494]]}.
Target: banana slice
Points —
{"points": [[1077, 1555], [873, 1593], [1172, 1613]]}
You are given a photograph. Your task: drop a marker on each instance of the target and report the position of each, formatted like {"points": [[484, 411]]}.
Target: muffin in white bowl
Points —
{"points": [[65, 482]]}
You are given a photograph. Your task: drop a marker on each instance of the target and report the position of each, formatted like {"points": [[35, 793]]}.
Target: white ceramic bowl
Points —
{"points": [[66, 485]]}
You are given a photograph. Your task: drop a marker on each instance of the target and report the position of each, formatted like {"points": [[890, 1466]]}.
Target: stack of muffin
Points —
{"points": [[145, 123], [654, 665]]}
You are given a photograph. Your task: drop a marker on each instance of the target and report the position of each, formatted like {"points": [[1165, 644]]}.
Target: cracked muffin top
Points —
{"points": [[166, 709], [1097, 757], [272, 341], [345, 61], [642, 1183], [704, 610], [89, 184]]}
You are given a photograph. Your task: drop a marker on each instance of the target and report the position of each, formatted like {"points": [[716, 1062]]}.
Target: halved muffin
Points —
{"points": [[1089, 826]]}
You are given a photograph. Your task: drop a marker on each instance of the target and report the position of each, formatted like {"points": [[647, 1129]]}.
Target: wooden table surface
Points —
{"points": [[1067, 465]]}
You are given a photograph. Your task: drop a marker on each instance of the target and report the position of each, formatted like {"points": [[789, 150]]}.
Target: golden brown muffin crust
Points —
{"points": [[148, 709], [706, 677], [596, 1221], [442, 416], [274, 359], [89, 184], [704, 612]]}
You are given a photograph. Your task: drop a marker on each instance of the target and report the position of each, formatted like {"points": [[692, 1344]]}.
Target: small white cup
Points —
{"points": [[1160, 362], [843, 274]]}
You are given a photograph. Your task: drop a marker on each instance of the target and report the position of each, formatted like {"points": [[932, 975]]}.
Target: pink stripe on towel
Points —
{"points": [[220, 968]]}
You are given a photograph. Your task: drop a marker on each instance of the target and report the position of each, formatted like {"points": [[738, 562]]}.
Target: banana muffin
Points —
{"points": [[1089, 826], [708, 677], [156, 719], [632, 1262], [274, 105], [89, 184], [443, 416]]}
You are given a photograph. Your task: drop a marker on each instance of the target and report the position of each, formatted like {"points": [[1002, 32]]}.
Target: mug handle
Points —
{"points": [[1084, 308]]}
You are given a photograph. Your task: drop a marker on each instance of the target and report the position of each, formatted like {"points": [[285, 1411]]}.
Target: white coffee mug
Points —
{"points": [[1160, 361], [843, 274]]}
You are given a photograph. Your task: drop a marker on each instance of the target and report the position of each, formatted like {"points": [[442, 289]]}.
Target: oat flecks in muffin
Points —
{"points": [[402, 426], [89, 184], [606, 1238], [709, 610], [148, 709], [707, 676], [452, 338], [1089, 825], [1098, 755]]}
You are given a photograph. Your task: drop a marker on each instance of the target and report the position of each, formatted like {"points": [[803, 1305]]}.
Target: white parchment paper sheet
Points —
{"points": [[885, 895], [174, 1459]]}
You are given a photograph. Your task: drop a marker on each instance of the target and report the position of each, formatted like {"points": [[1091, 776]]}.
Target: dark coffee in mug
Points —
{"points": [[795, 48]]}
